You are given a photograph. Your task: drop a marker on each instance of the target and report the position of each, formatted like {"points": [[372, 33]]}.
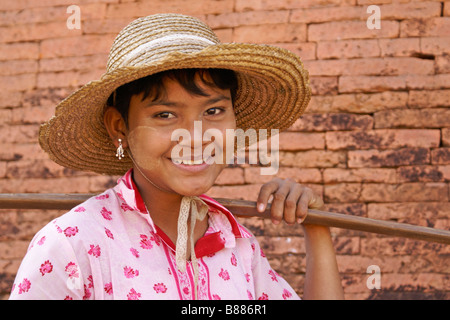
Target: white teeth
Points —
{"points": [[188, 162]]}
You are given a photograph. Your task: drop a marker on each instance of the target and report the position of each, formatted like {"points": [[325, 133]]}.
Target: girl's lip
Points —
{"points": [[191, 168]]}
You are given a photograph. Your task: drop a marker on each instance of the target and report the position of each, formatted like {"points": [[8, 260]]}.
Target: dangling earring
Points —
{"points": [[119, 153]]}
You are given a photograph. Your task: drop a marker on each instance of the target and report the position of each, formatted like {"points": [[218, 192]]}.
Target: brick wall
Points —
{"points": [[375, 141]]}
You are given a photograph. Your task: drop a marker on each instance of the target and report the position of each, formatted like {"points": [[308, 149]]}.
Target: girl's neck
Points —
{"points": [[163, 206]]}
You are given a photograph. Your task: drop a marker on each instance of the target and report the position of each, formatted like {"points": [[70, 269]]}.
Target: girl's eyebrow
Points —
{"points": [[162, 102]]}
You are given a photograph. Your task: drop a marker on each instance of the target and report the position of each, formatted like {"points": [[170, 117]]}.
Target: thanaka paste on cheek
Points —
{"points": [[142, 148]]}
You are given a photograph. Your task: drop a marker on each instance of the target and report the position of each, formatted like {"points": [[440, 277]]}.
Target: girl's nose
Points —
{"points": [[194, 138]]}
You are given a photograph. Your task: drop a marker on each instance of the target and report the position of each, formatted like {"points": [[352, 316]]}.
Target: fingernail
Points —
{"points": [[261, 207], [275, 222]]}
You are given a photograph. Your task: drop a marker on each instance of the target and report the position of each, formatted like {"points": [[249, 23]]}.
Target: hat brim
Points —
{"points": [[273, 91]]}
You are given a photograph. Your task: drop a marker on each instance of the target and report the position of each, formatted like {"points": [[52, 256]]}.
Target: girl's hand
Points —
{"points": [[290, 202]]}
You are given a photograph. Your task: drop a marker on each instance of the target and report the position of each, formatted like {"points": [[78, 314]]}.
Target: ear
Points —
{"points": [[116, 126]]}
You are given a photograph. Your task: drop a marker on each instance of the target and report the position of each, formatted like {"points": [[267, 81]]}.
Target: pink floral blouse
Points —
{"points": [[109, 248]]}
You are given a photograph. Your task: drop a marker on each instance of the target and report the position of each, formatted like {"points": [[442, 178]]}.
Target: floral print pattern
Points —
{"points": [[109, 248]]}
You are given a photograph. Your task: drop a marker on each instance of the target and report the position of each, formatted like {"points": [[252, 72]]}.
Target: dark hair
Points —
{"points": [[153, 85]]}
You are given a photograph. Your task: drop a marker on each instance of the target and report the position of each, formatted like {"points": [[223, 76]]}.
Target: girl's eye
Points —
{"points": [[164, 115], [214, 111]]}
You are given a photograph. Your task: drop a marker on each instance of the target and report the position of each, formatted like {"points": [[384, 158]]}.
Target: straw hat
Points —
{"points": [[273, 87]]}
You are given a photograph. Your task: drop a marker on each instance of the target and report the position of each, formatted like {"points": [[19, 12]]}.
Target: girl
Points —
{"points": [[155, 235]]}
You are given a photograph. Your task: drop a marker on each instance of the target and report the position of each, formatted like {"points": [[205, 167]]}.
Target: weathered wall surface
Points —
{"points": [[374, 142]]}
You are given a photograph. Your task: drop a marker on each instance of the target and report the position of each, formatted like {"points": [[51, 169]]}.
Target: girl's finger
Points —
{"points": [[316, 203], [290, 204], [303, 203], [264, 194], [278, 202]]}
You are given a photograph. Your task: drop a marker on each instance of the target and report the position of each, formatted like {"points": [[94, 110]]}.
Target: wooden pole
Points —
{"points": [[244, 208]]}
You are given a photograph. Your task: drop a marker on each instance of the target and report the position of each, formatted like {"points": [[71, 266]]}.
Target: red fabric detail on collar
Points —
{"points": [[206, 245], [140, 204]]}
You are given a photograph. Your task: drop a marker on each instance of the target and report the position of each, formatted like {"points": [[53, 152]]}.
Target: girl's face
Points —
{"points": [[152, 124]]}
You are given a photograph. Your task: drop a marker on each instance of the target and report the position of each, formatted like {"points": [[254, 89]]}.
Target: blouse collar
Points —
{"points": [[220, 217]]}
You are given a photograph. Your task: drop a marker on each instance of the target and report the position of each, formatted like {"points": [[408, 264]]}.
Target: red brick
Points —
{"points": [[224, 35], [442, 64], [371, 83], [388, 158], [97, 61], [41, 31], [346, 245], [13, 67], [351, 30], [245, 192], [67, 78], [358, 103], [236, 19], [245, 5], [355, 209], [301, 141], [270, 33], [391, 246], [231, 176], [440, 156], [10, 99], [17, 151], [104, 26], [400, 47], [39, 185], [446, 10], [313, 159], [323, 85], [300, 175], [423, 173], [412, 10], [358, 264], [428, 82], [327, 14], [382, 138], [19, 133], [408, 210], [383, 83], [45, 97], [389, 12], [30, 168], [32, 115], [136, 9], [2, 169], [429, 98], [445, 137], [415, 282], [19, 51], [348, 49], [33, 15], [370, 66], [342, 192], [19, 82], [332, 122], [5, 116], [13, 249], [76, 46], [410, 118], [305, 50], [435, 45], [406, 192], [431, 27], [26, 4], [282, 245], [335, 175]]}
